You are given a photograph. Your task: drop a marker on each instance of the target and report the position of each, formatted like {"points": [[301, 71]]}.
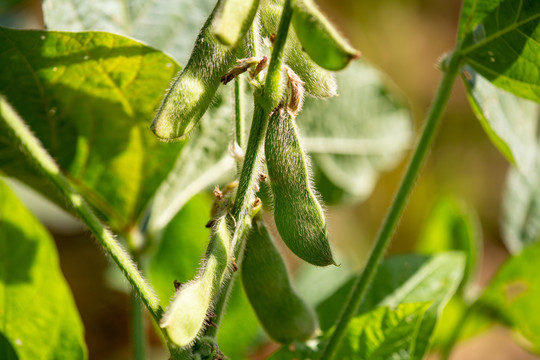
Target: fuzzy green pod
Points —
{"points": [[194, 87], [319, 38], [282, 313], [298, 214], [233, 19], [185, 317], [318, 81]]}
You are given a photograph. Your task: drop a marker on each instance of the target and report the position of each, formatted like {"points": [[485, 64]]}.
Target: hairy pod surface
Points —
{"points": [[298, 214], [186, 315], [233, 19], [319, 38], [194, 87], [318, 82], [282, 313]]}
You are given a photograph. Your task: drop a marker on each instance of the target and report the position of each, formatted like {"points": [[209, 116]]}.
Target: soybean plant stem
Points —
{"points": [[42, 161], [138, 336], [239, 122], [264, 103], [387, 230]]}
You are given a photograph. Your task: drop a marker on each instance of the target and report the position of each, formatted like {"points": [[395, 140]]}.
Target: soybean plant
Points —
{"points": [[285, 52], [297, 211]]}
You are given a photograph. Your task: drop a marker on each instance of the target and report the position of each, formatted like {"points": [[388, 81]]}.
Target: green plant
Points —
{"points": [[75, 110]]}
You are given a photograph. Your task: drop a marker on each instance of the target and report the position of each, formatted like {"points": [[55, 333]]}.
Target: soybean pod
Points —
{"points": [[318, 81], [195, 85], [233, 19], [298, 214], [185, 317], [319, 38], [281, 312]]}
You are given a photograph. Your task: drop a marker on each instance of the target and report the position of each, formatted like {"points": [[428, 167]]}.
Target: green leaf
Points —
{"points": [[205, 158], [405, 279], [384, 333], [354, 136], [89, 97], [521, 209], [171, 26], [514, 293], [452, 225], [181, 247], [509, 121], [500, 39], [38, 317]]}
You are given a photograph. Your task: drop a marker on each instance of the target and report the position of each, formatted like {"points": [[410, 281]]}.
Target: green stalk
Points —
{"points": [[42, 161], [239, 121], [138, 336], [239, 112], [390, 223], [264, 103]]}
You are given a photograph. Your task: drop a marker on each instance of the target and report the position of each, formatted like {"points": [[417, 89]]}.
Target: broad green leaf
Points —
{"points": [[514, 293], [500, 39], [521, 209], [405, 279], [509, 121], [452, 225], [89, 97], [181, 247], [356, 135], [38, 317], [384, 333], [171, 26]]}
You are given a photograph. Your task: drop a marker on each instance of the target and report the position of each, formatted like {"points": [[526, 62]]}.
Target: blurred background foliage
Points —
{"points": [[405, 39]]}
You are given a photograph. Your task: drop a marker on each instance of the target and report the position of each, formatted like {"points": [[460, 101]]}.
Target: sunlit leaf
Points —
{"points": [[384, 333], [38, 317], [500, 39], [405, 279], [89, 97], [171, 27], [356, 135]]}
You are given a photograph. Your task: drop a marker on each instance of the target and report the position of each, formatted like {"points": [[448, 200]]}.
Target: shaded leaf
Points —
{"points": [[521, 209], [239, 328], [514, 293], [38, 317], [509, 121], [452, 225], [354, 136], [295, 352], [181, 247], [89, 98], [405, 279], [500, 39], [171, 26], [384, 333]]}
